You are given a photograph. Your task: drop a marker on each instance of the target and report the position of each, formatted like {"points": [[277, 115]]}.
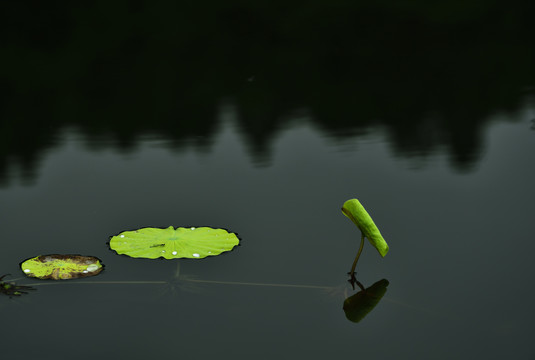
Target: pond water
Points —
{"points": [[444, 166]]}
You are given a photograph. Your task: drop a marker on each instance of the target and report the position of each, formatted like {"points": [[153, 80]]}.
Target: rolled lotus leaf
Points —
{"points": [[354, 210], [356, 307], [61, 267], [171, 243]]}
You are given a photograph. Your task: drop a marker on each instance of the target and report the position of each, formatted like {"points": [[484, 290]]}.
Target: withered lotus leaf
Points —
{"points": [[61, 267]]}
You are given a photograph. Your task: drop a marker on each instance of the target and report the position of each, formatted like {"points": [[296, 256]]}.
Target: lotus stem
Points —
{"points": [[188, 280], [358, 254], [96, 283], [360, 285], [262, 284]]}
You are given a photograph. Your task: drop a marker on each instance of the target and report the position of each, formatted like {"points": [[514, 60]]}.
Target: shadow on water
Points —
{"points": [[429, 75]]}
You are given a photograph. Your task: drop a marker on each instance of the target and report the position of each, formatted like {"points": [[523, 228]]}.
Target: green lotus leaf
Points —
{"points": [[354, 210], [359, 305], [61, 267], [171, 243]]}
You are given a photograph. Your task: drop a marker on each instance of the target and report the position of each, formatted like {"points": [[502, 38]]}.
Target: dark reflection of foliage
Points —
{"points": [[357, 306], [11, 289], [429, 73]]}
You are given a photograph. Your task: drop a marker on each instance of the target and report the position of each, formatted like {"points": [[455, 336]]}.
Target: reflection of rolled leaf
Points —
{"points": [[356, 307]]}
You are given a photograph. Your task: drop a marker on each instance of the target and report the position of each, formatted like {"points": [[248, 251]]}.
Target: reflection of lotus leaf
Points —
{"points": [[171, 243], [61, 267], [356, 307], [354, 210]]}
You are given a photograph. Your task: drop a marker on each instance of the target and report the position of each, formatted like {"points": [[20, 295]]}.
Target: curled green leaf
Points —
{"points": [[354, 210]]}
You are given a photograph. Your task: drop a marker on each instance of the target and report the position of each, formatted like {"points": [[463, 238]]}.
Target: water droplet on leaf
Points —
{"points": [[92, 267]]}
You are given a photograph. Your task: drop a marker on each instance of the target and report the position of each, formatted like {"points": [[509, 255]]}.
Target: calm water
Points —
{"points": [[268, 138]]}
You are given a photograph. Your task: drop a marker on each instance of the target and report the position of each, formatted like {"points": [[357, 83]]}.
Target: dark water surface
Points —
{"points": [[264, 121]]}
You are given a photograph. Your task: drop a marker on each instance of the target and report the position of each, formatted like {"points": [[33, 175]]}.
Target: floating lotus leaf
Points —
{"points": [[359, 305], [360, 217], [61, 267], [171, 243]]}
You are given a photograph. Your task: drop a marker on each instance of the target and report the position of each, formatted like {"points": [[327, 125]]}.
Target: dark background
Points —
{"points": [[429, 73]]}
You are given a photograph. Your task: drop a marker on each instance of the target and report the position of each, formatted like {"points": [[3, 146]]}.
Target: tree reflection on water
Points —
{"points": [[430, 76]]}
